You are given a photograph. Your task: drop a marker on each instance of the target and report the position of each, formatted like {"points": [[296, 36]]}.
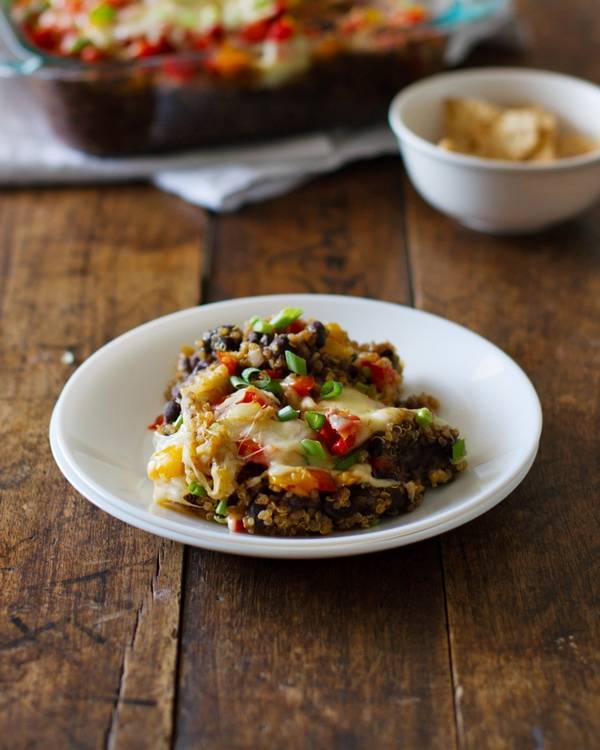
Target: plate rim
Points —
{"points": [[282, 547]]}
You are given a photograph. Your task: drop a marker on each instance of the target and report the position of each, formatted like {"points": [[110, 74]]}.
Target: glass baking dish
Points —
{"points": [[171, 102]]}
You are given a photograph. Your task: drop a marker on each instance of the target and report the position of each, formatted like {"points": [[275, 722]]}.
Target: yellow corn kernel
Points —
{"points": [[166, 463]]}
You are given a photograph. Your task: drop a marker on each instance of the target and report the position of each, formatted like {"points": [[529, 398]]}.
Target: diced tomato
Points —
{"points": [[235, 525], [281, 30], [339, 433], [143, 48], [303, 384], [180, 70], [296, 326], [255, 32], [45, 38], [251, 395], [91, 54], [381, 375], [414, 15], [229, 361], [209, 39], [157, 422], [325, 482], [275, 374], [251, 451]]}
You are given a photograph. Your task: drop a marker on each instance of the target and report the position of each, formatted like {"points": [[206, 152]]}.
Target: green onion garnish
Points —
{"points": [[249, 373], [285, 317], [459, 450], [220, 519], [313, 448], [237, 382], [178, 422], [254, 319], [195, 488], [424, 417], [221, 509], [374, 522], [262, 326], [266, 383], [79, 44], [315, 420], [287, 413], [346, 462], [331, 389], [103, 14], [295, 363]]}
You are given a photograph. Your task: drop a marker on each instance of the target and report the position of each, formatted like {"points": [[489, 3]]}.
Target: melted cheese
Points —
{"points": [[374, 416], [280, 442]]}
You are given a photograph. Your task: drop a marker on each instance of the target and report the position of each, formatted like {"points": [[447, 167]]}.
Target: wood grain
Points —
{"points": [[522, 594], [90, 606], [520, 584], [332, 653]]}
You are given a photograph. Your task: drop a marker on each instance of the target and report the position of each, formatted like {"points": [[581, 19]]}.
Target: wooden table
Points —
{"points": [[485, 637]]}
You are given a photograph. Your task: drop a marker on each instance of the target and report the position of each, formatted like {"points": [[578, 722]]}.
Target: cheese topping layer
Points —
{"points": [[215, 441]]}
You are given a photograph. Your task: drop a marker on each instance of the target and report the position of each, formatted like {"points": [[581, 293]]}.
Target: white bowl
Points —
{"points": [[100, 442], [492, 195]]}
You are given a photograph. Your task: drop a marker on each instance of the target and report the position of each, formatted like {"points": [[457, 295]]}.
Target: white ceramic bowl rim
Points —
{"points": [[404, 133], [333, 545]]}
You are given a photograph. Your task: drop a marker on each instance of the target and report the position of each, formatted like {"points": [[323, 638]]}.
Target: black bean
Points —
{"points": [[254, 337], [171, 411], [319, 331], [336, 513], [281, 344], [304, 502], [376, 446], [266, 339]]}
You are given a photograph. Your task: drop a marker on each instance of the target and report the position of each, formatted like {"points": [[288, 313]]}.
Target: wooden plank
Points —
{"points": [[337, 653], [522, 597], [90, 616]]}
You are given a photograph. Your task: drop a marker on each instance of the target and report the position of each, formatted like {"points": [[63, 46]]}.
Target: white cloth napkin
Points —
{"points": [[222, 179]]}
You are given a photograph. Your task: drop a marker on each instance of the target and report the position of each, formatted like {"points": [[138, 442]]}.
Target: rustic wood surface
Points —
{"points": [[486, 637]]}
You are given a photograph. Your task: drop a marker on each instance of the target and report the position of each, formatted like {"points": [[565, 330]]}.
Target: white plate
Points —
{"points": [[100, 442]]}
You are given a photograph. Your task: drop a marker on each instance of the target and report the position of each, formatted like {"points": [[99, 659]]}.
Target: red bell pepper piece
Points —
{"points": [[325, 482], [251, 451], [157, 422], [303, 384], [229, 361]]}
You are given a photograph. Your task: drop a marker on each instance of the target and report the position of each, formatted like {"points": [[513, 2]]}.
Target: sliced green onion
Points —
{"points": [[178, 422], [424, 417], [221, 509], [346, 462], [103, 14], [237, 382], [287, 413], [254, 319], [331, 389], [459, 450], [79, 44], [313, 448], [195, 488], [248, 373], [374, 522], [266, 383], [285, 317], [262, 326], [315, 420], [295, 363], [219, 519]]}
